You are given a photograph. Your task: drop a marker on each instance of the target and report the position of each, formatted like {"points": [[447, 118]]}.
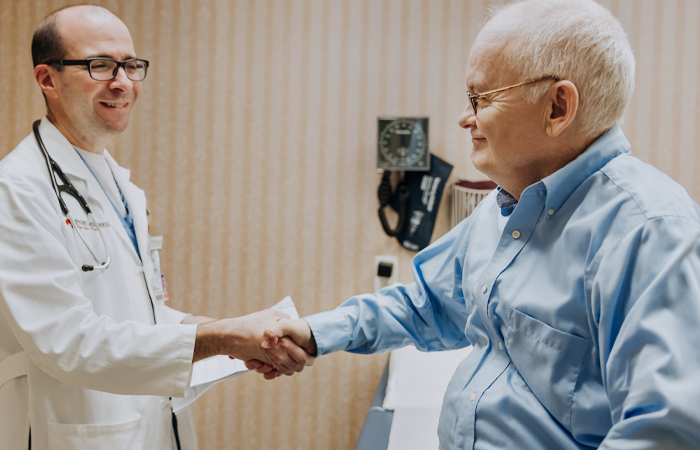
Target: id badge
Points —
{"points": [[165, 287]]}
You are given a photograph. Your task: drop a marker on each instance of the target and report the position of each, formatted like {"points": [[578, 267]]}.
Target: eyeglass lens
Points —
{"points": [[474, 103], [106, 69]]}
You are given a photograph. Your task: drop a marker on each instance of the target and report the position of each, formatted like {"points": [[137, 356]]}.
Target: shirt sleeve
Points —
{"points": [[646, 307], [44, 306], [429, 313]]}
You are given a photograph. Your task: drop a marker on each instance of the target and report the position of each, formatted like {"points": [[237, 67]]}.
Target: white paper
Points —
{"points": [[207, 372], [414, 428], [415, 390], [418, 378]]}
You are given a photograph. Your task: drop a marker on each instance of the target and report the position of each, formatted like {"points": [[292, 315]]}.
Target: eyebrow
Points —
{"points": [[111, 57], [474, 87]]}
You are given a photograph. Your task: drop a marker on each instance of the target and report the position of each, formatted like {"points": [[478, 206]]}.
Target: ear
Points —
{"points": [[562, 107], [45, 77]]}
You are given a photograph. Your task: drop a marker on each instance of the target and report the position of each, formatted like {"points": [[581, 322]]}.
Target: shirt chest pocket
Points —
{"points": [[549, 361]]}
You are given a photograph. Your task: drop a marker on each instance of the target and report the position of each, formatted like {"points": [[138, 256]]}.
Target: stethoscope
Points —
{"points": [[68, 188]]}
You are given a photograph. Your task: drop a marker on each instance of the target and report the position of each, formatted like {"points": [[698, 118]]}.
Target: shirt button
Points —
{"points": [[472, 397], [516, 234], [550, 212], [500, 346], [484, 288]]}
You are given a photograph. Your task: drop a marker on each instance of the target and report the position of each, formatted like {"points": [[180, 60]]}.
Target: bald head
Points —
{"points": [[491, 48], [76, 41], [575, 40], [508, 21], [48, 41]]}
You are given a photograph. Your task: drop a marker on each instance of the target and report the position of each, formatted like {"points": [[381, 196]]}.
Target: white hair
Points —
{"points": [[579, 41]]}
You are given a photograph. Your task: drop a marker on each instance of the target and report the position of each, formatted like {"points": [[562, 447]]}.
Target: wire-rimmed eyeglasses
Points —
{"points": [[474, 98], [105, 69]]}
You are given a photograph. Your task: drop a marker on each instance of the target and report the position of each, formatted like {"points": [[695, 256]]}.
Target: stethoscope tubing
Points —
{"points": [[54, 168]]}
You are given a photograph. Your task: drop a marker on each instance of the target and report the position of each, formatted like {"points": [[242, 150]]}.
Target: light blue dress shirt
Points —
{"points": [[583, 307]]}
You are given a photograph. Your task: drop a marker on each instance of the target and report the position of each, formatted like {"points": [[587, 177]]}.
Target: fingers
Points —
{"points": [[285, 370], [285, 345], [258, 366], [298, 354], [268, 372], [271, 375], [253, 364], [288, 358], [284, 361]]}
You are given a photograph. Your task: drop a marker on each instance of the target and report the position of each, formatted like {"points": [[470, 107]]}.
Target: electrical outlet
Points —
{"points": [[385, 265]]}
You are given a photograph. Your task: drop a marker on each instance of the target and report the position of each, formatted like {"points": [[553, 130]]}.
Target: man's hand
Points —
{"points": [[297, 331], [241, 338]]}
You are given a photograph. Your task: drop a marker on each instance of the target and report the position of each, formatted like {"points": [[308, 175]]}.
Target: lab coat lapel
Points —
{"points": [[78, 173], [136, 199]]}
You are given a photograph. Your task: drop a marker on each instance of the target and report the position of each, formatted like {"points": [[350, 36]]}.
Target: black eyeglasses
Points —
{"points": [[105, 69]]}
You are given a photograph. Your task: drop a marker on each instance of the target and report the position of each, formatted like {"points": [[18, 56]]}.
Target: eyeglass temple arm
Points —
{"points": [[556, 80]]}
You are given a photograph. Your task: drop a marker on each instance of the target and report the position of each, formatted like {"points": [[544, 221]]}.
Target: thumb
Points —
{"points": [[270, 337]]}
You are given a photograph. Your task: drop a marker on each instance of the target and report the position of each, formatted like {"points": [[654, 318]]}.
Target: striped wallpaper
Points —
{"points": [[255, 142]]}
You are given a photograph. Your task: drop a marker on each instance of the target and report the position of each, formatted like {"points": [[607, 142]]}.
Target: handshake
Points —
{"points": [[268, 341]]}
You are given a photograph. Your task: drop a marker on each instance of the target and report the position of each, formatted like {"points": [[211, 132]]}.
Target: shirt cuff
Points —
{"points": [[331, 331], [187, 354]]}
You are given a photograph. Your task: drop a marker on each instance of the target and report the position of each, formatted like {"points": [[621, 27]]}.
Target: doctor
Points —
{"points": [[101, 352]]}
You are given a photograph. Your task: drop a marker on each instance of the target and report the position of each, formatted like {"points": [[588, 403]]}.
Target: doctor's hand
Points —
{"points": [[280, 334], [241, 338]]}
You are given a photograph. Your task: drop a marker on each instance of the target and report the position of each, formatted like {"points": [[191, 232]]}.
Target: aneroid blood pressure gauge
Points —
{"points": [[403, 144]]}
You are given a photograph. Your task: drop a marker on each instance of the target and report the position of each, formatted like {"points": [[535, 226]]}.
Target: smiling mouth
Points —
{"points": [[114, 105]]}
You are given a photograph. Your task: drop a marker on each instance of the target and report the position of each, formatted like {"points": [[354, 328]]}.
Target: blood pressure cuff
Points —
{"points": [[425, 190]]}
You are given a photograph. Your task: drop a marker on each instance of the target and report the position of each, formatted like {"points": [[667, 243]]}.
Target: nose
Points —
{"points": [[467, 119], [121, 82]]}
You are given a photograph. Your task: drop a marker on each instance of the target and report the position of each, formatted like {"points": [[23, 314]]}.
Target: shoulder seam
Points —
{"points": [[646, 216], [603, 252]]}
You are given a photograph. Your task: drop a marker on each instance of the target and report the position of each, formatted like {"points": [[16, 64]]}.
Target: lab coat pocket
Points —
{"points": [[548, 360], [120, 436]]}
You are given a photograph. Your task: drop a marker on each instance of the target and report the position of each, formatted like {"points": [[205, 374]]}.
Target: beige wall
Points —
{"points": [[255, 142]]}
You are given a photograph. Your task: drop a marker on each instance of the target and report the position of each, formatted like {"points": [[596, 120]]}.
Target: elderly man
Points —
{"points": [[82, 310], [576, 282]]}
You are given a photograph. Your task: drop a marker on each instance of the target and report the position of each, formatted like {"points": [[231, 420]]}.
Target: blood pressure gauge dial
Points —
{"points": [[403, 144]]}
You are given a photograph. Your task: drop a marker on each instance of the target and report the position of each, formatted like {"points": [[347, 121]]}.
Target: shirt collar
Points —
{"points": [[562, 183], [505, 201]]}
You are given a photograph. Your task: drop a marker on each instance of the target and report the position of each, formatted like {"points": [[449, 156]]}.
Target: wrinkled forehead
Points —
{"points": [[88, 33], [487, 67]]}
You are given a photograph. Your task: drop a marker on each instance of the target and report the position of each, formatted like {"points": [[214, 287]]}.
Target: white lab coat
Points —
{"points": [[99, 372]]}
